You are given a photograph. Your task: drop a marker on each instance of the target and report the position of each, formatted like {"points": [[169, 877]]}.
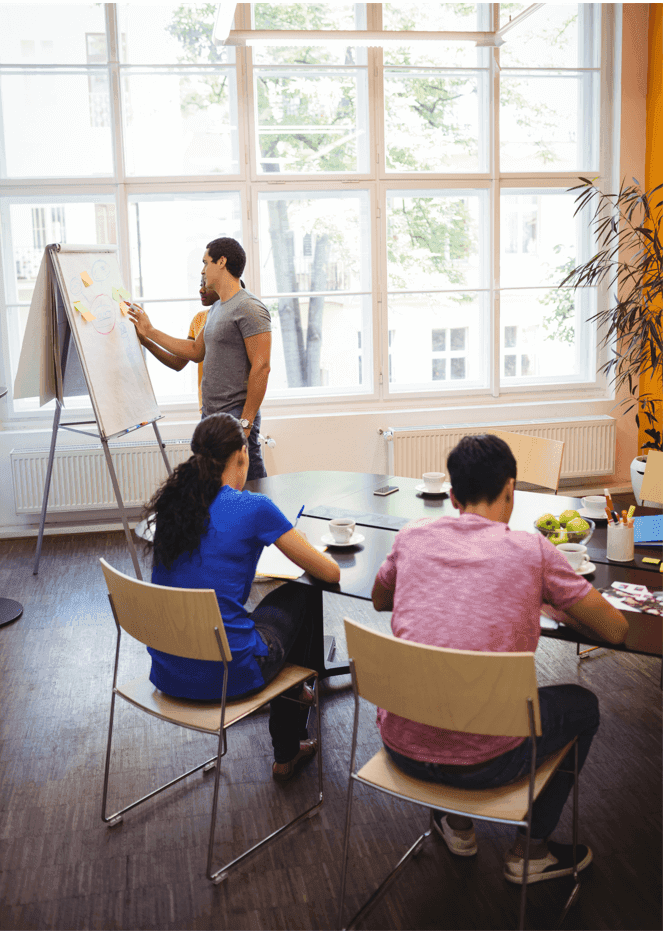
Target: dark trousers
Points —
{"points": [[256, 464], [283, 620], [567, 711]]}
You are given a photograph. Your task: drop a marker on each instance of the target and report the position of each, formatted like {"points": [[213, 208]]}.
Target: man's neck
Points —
{"points": [[228, 288]]}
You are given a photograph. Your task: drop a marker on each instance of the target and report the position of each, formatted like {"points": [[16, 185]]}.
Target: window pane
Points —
{"points": [[43, 33], [34, 223], [309, 16], [338, 258], [317, 242], [168, 236], [432, 122], [439, 17], [181, 123], [561, 35], [312, 122], [69, 110], [549, 122], [413, 318], [173, 317], [547, 334], [438, 340], [436, 238], [541, 239], [178, 33], [458, 338]]}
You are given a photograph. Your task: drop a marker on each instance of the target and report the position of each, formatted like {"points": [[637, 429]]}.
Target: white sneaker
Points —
{"points": [[460, 843], [557, 862]]}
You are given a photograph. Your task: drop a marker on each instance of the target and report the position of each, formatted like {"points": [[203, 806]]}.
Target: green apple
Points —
{"points": [[547, 522], [559, 537], [577, 529], [567, 516]]}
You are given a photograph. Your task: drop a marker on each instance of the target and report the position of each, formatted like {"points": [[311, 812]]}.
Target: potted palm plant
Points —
{"points": [[628, 229]]}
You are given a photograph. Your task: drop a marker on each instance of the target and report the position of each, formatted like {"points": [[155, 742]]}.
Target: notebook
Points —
{"points": [[648, 529]]}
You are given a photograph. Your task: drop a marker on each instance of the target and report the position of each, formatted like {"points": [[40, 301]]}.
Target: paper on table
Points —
{"points": [[273, 564]]}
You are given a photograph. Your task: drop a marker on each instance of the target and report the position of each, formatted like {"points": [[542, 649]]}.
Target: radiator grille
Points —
{"points": [[81, 481], [589, 444]]}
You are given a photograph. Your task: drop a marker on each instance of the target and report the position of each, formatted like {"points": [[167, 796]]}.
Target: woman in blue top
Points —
{"points": [[208, 533]]}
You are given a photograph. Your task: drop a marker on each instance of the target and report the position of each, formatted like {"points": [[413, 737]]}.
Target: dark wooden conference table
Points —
{"points": [[326, 495]]}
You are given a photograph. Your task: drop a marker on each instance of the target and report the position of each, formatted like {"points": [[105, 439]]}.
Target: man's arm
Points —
{"points": [[383, 598], [167, 358], [258, 352], [595, 616], [191, 350]]}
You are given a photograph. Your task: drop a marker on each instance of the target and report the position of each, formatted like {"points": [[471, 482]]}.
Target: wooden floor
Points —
{"points": [[63, 868]]}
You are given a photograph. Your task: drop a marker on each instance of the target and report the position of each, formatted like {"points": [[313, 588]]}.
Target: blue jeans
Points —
{"points": [[256, 464], [283, 622], [567, 711]]}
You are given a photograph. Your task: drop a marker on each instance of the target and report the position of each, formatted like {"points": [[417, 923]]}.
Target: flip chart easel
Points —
{"points": [[86, 345]]}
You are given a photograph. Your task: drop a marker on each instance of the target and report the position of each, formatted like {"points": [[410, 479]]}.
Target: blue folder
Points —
{"points": [[648, 529]]}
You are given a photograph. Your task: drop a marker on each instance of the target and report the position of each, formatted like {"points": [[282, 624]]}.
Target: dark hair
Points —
{"points": [[478, 467], [179, 511], [232, 251]]}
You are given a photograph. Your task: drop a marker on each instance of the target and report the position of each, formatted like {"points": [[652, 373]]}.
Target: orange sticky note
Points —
{"points": [[86, 279], [83, 311], [88, 316], [124, 309]]}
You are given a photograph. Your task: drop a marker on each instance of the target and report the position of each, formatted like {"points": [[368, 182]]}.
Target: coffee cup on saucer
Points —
{"points": [[576, 554], [342, 529], [433, 482], [594, 505]]}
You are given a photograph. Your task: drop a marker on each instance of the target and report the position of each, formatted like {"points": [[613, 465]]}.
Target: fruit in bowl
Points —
{"points": [[568, 527]]}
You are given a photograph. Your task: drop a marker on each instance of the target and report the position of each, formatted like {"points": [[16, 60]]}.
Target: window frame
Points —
{"points": [[377, 181]]}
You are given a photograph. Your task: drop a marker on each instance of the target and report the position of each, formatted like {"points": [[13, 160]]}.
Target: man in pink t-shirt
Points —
{"points": [[470, 583]]}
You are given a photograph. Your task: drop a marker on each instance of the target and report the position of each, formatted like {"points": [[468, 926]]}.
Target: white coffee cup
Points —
{"points": [[433, 481], [575, 554], [594, 505], [342, 529]]}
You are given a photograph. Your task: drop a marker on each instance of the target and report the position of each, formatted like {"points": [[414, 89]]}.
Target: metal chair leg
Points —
{"points": [[574, 894]]}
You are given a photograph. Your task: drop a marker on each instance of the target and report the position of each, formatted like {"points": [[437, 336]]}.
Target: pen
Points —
{"points": [[624, 517], [614, 515], [630, 513], [299, 515], [609, 499]]}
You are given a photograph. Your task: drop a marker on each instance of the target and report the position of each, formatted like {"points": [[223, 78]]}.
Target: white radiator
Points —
{"points": [[81, 481], [590, 444]]}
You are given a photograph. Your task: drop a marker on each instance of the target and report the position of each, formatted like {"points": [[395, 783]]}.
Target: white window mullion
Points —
{"points": [[493, 354]]}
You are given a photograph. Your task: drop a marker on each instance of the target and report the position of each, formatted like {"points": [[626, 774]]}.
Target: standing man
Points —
{"points": [[208, 297], [235, 344]]}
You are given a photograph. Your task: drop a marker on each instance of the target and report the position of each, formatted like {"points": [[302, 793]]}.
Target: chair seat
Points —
{"points": [[206, 716], [504, 803]]}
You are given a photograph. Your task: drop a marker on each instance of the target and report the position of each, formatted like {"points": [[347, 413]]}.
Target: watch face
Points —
{"points": [[244, 423]]}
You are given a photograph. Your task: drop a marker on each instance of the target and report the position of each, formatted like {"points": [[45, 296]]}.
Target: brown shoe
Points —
{"points": [[307, 696], [282, 772]]}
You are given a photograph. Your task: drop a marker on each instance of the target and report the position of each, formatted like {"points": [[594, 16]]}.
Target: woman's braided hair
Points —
{"points": [[179, 511]]}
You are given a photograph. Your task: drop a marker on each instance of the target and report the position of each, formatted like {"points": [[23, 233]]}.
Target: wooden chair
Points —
{"points": [[460, 690], [187, 622], [538, 460]]}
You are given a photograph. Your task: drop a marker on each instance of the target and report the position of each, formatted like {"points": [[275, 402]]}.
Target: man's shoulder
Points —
{"points": [[247, 301]]}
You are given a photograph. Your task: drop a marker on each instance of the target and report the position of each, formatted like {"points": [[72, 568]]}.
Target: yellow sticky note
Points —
{"points": [[124, 309], [86, 279], [80, 306], [88, 316], [115, 294], [124, 294]]}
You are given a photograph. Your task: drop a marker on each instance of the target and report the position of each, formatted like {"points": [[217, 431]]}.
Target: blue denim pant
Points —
{"points": [[567, 711], [283, 620], [256, 464]]}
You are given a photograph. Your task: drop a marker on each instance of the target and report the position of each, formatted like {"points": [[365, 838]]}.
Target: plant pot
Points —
{"points": [[636, 470]]}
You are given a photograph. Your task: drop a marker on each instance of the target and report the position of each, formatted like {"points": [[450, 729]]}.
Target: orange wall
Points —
{"points": [[653, 174]]}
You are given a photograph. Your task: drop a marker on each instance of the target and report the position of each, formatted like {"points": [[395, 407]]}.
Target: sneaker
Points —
{"points": [[558, 862], [460, 843]]}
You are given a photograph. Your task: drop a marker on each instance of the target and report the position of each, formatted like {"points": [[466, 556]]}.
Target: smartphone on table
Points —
{"points": [[386, 490]]}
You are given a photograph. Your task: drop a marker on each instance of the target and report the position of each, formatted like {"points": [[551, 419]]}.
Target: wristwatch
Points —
{"points": [[245, 424]]}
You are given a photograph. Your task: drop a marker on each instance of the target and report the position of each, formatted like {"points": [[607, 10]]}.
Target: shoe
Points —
{"points": [[460, 843], [307, 696], [557, 863], [282, 772]]}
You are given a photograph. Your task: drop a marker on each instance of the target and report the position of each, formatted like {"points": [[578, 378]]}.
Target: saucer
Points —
{"points": [[593, 515], [424, 490], [587, 568], [329, 540]]}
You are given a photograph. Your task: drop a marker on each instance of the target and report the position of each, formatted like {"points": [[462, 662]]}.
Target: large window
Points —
{"points": [[403, 203]]}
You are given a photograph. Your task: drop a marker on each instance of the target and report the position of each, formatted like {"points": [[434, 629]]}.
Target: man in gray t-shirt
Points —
{"points": [[234, 345]]}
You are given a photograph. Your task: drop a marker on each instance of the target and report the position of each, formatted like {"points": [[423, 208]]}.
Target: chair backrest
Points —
{"points": [[538, 460], [651, 487], [459, 690], [180, 621]]}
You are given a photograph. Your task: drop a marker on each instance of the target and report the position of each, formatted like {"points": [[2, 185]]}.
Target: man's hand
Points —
{"points": [[140, 320]]}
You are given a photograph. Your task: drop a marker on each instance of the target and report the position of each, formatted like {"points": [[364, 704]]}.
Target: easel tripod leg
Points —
{"points": [[47, 484], [123, 516], [162, 448]]}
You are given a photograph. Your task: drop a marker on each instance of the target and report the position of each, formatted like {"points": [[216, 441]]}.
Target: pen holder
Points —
{"points": [[619, 542]]}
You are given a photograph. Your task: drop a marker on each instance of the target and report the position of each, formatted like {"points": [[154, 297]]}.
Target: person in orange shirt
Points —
{"points": [[208, 297]]}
